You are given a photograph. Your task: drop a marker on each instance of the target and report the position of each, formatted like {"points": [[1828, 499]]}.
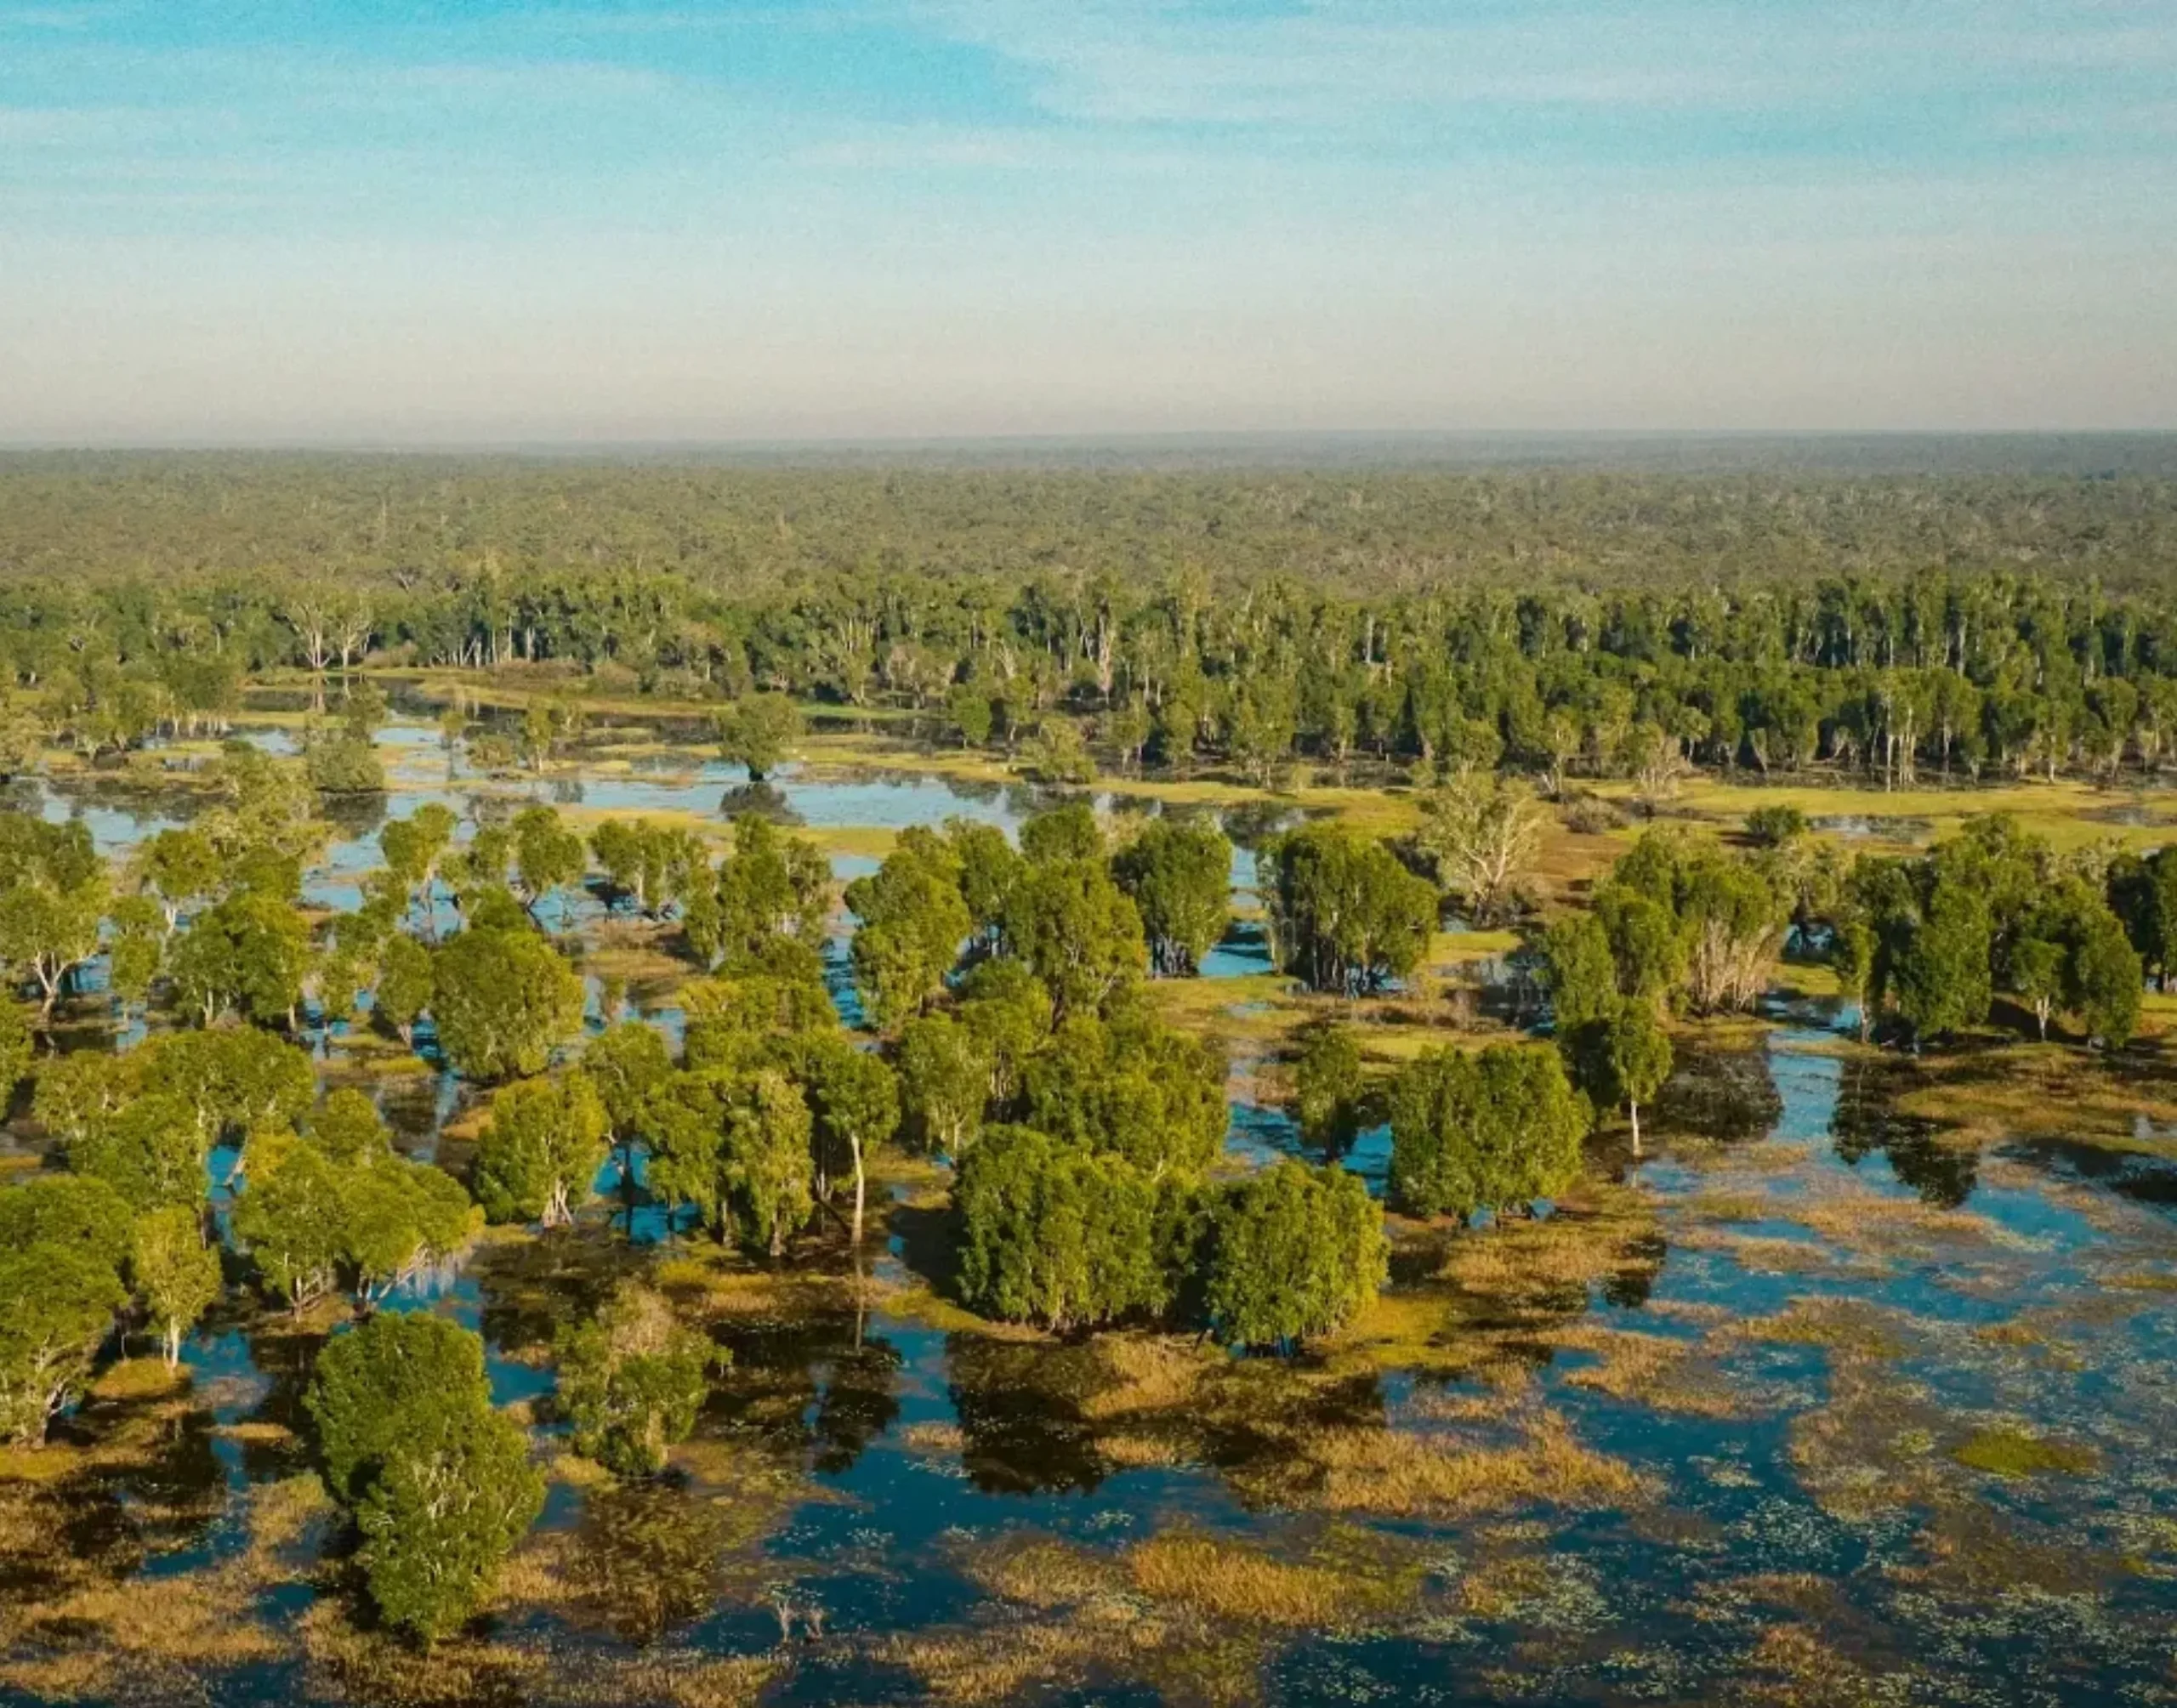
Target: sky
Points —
{"points": [[576, 221]]}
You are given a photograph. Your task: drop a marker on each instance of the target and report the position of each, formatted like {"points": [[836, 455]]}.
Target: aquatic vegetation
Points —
{"points": [[1794, 1412], [2005, 1450]]}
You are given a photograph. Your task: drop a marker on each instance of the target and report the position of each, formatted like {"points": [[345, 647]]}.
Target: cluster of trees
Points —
{"points": [[437, 1483], [1925, 942], [1570, 659], [1008, 985]]}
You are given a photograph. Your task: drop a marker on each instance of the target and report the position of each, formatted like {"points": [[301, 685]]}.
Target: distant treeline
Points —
{"points": [[1657, 512], [1551, 623]]}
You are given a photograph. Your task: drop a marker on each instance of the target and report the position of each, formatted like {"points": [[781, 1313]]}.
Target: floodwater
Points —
{"points": [[1802, 1406]]}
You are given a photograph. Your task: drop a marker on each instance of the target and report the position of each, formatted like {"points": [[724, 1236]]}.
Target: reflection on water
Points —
{"points": [[1798, 1349]]}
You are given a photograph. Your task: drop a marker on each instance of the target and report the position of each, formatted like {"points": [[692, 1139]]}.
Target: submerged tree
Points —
{"points": [[632, 1379], [541, 1149], [1179, 877], [1345, 916], [756, 732], [177, 1274], [439, 1484], [1494, 1129], [1294, 1253], [504, 1001], [1327, 1088]]}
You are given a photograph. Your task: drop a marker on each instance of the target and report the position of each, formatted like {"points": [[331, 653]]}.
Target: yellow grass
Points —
{"points": [[1396, 1474], [1226, 1580], [1043, 1572]]}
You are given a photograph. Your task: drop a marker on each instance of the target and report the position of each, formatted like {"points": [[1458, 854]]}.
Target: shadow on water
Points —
{"points": [[854, 1460], [1867, 1123], [2150, 1180], [1729, 1096]]}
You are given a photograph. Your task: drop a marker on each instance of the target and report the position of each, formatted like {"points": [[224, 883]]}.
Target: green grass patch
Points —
{"points": [[2005, 1452]]}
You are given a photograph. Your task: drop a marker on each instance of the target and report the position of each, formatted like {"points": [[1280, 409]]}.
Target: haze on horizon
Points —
{"points": [[439, 224]]}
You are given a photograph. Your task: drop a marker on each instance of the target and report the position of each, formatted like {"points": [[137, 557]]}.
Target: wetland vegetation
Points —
{"points": [[825, 1114]]}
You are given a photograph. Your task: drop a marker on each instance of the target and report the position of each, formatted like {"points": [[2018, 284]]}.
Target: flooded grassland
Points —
{"points": [[1857, 1387]]}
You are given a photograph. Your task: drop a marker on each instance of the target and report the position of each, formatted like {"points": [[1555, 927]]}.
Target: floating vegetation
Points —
{"points": [[2007, 1451], [1854, 1389]]}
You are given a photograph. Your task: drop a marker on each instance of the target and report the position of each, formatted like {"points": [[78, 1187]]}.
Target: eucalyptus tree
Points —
{"points": [[632, 1379], [1293, 1253], [438, 1483], [1346, 917], [1179, 875], [541, 1149], [1492, 1129], [502, 1002]]}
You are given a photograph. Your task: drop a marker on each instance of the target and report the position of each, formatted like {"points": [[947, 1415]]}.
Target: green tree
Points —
{"points": [[1622, 1059], [629, 1064], [1179, 875], [656, 865], [292, 1222], [503, 1001], [1943, 977], [248, 953], [1050, 1233], [757, 732], [767, 1154], [943, 1083], [347, 1129], [135, 952], [236, 1078], [439, 1484], [405, 976], [854, 1103], [1327, 1088], [987, 868], [1077, 931], [151, 1150], [542, 1150], [1646, 943], [769, 886], [340, 762], [1134, 1086], [969, 710], [1579, 970], [57, 1303], [397, 1218], [1495, 1130], [1294, 1253], [52, 894], [177, 868], [1345, 916], [548, 856], [177, 1274], [1853, 953], [73, 1210], [2102, 979], [1068, 832], [2036, 977], [372, 1381], [911, 924], [454, 1497], [1009, 1013], [414, 846], [632, 1379], [15, 1048]]}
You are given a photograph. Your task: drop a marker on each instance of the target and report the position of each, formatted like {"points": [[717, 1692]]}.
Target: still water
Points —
{"points": [[1806, 1338]]}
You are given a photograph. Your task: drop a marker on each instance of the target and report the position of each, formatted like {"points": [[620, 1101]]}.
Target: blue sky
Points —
{"points": [[434, 223]]}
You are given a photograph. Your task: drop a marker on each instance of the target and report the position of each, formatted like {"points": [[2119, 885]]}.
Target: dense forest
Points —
{"points": [[1551, 621]]}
